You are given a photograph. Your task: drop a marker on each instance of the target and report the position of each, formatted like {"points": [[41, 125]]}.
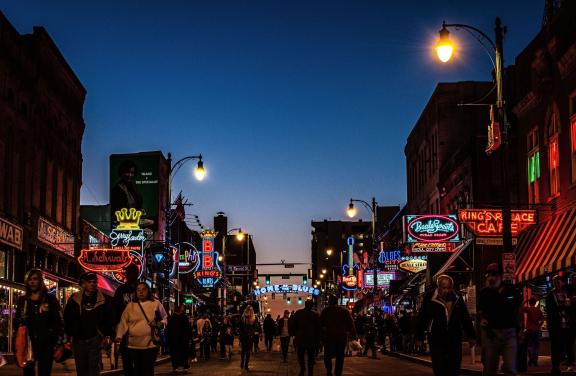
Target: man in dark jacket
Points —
{"points": [[306, 331], [337, 327], [88, 319], [557, 314], [445, 316], [269, 331]]}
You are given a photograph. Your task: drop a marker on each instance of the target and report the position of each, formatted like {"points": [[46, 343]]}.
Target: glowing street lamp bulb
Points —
{"points": [[351, 210], [321, 276], [240, 235], [444, 47], [220, 258], [323, 271], [329, 252], [200, 171]]}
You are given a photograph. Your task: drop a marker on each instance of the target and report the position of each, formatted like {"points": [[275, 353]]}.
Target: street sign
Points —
{"points": [[238, 268], [285, 277], [289, 266]]}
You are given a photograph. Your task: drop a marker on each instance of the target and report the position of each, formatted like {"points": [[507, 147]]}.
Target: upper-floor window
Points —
{"points": [[553, 153], [533, 166]]}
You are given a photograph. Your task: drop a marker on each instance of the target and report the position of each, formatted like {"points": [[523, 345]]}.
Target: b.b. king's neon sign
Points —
{"points": [[208, 271]]}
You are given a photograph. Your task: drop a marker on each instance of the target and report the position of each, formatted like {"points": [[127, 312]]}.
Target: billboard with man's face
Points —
{"points": [[135, 183]]}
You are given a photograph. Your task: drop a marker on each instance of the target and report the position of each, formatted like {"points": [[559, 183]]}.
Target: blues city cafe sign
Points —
{"points": [[287, 288], [208, 271], [126, 247], [431, 228]]}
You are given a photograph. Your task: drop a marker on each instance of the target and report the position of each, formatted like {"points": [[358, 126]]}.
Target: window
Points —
{"points": [[533, 167], [553, 155]]}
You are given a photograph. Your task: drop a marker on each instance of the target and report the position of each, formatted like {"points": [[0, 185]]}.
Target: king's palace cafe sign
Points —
{"points": [[10, 234]]}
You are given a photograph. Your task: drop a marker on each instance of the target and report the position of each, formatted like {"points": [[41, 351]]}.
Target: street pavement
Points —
{"points": [[270, 364]]}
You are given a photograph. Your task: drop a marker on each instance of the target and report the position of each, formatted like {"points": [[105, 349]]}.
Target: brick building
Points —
{"points": [[41, 129]]}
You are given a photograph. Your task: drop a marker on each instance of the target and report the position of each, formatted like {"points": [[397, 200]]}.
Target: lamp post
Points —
{"points": [[351, 211], [239, 237], [200, 174], [444, 49]]}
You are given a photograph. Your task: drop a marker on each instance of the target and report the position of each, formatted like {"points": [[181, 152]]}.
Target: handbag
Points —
{"points": [[23, 344], [154, 328], [355, 345]]}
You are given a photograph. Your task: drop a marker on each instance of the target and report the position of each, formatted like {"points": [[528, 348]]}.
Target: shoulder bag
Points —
{"points": [[154, 328]]}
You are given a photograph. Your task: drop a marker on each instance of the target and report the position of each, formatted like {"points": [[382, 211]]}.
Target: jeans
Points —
{"points": [[269, 340], [311, 351], [334, 350], [284, 344], [127, 362], [246, 344], [144, 360], [533, 345], [43, 357], [496, 343], [87, 356]]}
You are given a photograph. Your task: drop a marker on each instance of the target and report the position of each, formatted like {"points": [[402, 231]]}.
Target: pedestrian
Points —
{"points": [[206, 339], [40, 312], [248, 326], [370, 334], [284, 334], [124, 295], [226, 338], [337, 326], [201, 323], [269, 331], [405, 326], [359, 325], [557, 314], [445, 318], [137, 321], [500, 323], [305, 327], [256, 341], [215, 331], [178, 334], [193, 341], [534, 321], [89, 322]]}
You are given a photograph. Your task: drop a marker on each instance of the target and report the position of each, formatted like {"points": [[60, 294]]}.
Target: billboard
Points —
{"points": [[135, 184]]}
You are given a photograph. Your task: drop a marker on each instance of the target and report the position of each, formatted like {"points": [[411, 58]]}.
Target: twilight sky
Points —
{"points": [[297, 105]]}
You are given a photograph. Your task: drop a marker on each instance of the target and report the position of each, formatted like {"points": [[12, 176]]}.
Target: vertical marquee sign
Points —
{"points": [[431, 228], [208, 271]]}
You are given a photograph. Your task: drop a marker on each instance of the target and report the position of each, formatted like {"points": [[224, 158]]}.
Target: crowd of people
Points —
{"points": [[136, 327]]}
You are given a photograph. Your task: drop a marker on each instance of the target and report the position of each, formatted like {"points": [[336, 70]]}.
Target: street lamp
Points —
{"points": [[199, 173], [444, 50], [328, 252]]}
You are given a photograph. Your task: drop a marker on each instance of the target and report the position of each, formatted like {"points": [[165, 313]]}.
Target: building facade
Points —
{"points": [[41, 129]]}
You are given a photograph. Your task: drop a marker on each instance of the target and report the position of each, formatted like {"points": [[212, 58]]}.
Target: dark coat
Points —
{"points": [[444, 329], [337, 324], [178, 330], [305, 327], [45, 324], [269, 326], [102, 316], [554, 313]]}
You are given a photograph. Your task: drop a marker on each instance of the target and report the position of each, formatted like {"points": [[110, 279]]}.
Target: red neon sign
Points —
{"points": [[213, 273], [208, 246], [105, 259], [488, 222], [350, 280]]}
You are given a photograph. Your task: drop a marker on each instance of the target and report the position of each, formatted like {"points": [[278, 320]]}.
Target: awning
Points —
{"points": [[547, 247], [457, 252]]}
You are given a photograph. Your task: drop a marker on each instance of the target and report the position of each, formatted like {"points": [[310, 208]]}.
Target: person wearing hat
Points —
{"points": [[500, 323], [88, 320]]}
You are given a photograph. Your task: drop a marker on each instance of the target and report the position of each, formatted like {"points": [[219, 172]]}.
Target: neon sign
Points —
{"points": [[208, 271], [415, 264], [488, 222], [388, 256], [128, 219], [383, 279], [104, 259], [287, 289], [349, 279], [431, 228], [188, 258], [432, 247]]}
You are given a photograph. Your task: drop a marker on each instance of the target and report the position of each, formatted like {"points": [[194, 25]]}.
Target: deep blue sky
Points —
{"points": [[296, 105]]}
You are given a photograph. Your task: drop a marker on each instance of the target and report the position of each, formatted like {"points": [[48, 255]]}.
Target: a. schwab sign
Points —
{"points": [[431, 228]]}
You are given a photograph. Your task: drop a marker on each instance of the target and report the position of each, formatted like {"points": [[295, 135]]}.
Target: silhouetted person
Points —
{"points": [[269, 331], [305, 326], [337, 326]]}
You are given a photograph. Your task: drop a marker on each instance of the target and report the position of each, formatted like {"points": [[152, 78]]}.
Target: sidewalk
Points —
{"points": [[472, 366], [68, 368]]}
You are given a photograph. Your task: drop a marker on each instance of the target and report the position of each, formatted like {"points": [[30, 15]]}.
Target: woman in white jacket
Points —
{"points": [[136, 321]]}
